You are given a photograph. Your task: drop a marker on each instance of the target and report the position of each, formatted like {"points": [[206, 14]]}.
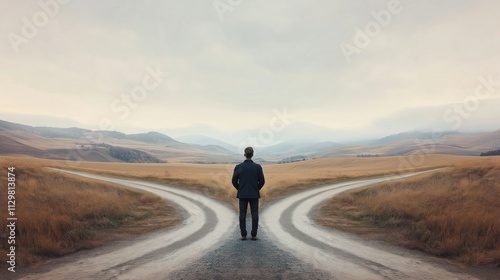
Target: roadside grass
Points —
{"points": [[58, 214], [454, 213], [68, 213], [214, 180]]}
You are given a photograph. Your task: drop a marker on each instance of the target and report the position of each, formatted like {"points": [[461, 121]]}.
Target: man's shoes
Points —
{"points": [[243, 238], [254, 238]]}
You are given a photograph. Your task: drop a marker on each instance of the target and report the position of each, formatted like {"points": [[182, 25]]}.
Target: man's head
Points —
{"points": [[248, 152]]}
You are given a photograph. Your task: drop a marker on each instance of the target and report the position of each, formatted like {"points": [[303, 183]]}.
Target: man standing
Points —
{"points": [[248, 179]]}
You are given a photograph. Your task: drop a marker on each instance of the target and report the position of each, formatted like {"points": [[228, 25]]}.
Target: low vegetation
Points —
{"points": [[130, 155], [58, 214], [491, 153], [453, 213], [292, 159], [368, 155]]}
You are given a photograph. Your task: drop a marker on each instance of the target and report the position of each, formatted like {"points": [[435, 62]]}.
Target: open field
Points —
{"points": [[54, 197], [58, 214], [453, 213], [214, 180]]}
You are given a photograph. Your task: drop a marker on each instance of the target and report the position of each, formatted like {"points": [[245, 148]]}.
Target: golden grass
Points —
{"points": [[214, 180], [453, 213], [59, 214], [47, 195]]}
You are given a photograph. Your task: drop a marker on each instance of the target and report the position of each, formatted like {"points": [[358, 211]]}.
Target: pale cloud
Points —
{"points": [[232, 74]]}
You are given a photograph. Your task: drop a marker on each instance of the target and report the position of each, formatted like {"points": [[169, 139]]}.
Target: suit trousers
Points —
{"points": [[254, 209]]}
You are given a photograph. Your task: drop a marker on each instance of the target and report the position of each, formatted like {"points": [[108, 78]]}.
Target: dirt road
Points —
{"points": [[206, 246], [340, 254], [207, 223]]}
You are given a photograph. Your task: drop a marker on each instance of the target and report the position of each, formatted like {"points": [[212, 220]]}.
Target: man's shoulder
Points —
{"points": [[248, 163], [256, 164]]}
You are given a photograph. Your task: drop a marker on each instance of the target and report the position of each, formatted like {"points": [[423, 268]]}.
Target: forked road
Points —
{"points": [[206, 246]]}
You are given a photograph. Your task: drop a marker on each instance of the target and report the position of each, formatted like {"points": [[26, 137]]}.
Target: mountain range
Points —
{"points": [[90, 145]]}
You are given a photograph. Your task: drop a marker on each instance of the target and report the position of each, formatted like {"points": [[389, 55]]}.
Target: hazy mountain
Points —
{"points": [[110, 134], [14, 126], [39, 120], [411, 135], [154, 138], [259, 136], [53, 132], [206, 140], [447, 117], [469, 144], [444, 117], [214, 149], [293, 148], [83, 144]]}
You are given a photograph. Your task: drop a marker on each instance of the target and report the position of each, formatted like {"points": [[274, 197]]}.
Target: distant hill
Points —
{"points": [[10, 146], [153, 138], [293, 148], [51, 132], [88, 145], [410, 135], [14, 126], [206, 141], [131, 155], [83, 144], [453, 143]]}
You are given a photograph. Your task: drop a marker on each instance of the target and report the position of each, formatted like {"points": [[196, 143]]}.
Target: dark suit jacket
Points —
{"points": [[248, 179]]}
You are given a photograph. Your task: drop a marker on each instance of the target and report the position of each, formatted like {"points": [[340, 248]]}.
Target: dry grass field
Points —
{"points": [[214, 180], [59, 214], [454, 213], [64, 213]]}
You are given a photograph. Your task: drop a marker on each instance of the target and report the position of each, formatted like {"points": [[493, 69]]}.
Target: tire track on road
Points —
{"points": [[342, 255], [207, 222]]}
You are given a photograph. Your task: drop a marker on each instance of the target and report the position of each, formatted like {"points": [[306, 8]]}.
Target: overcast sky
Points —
{"points": [[231, 64]]}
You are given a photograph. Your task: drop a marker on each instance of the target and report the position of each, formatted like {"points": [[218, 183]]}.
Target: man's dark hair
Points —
{"points": [[248, 152]]}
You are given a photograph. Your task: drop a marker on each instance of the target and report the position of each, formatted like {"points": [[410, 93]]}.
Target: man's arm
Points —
{"points": [[236, 178], [262, 180]]}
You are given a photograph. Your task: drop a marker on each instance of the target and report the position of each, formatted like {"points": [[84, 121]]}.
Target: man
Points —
{"points": [[248, 179]]}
